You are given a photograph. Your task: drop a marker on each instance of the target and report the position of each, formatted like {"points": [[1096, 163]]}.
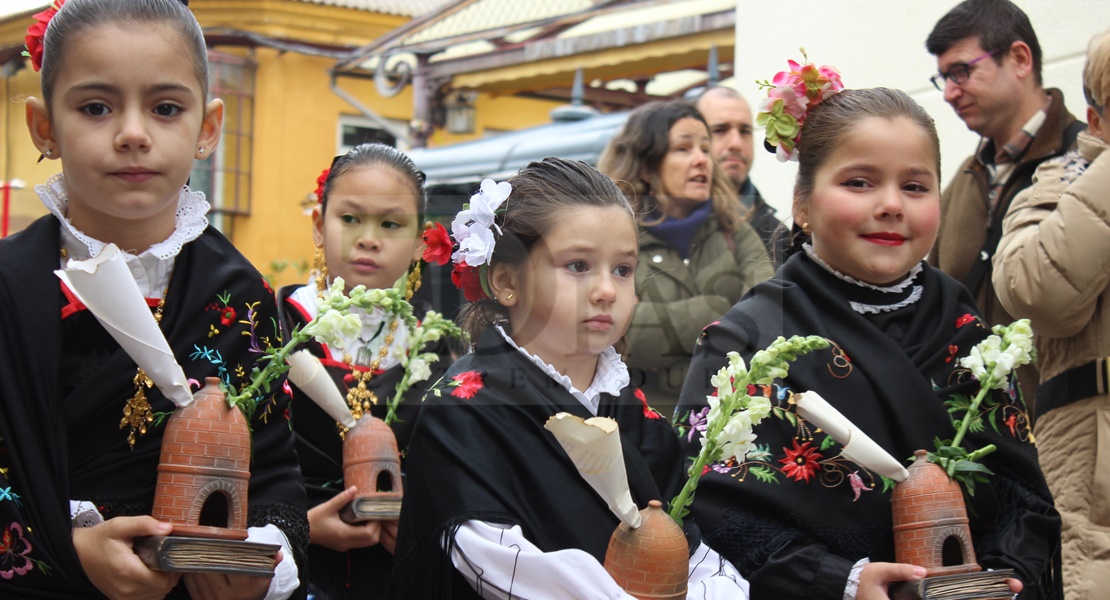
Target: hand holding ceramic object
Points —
{"points": [[371, 463]]}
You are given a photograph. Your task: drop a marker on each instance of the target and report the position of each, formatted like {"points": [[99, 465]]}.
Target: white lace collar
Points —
{"points": [[152, 267], [610, 377], [898, 289], [367, 346]]}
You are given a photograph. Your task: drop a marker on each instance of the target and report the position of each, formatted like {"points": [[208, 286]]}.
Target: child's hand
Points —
{"points": [[876, 576], [389, 535], [325, 528], [217, 586], [109, 561]]}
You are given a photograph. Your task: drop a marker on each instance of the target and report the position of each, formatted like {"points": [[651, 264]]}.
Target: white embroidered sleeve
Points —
{"points": [[500, 562], [852, 587], [285, 580]]}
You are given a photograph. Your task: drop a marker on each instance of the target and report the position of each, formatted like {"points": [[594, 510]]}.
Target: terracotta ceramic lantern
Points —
{"points": [[204, 470], [651, 561], [930, 521], [371, 463]]}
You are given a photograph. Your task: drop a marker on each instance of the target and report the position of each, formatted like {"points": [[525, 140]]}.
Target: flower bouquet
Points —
{"points": [[734, 412], [991, 362], [790, 96]]}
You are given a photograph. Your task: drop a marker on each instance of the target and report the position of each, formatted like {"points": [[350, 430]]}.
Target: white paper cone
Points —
{"points": [[862, 450], [594, 446], [307, 373], [858, 447], [105, 285]]}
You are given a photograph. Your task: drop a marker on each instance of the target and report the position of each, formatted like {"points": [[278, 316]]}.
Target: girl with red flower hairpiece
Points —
{"points": [[124, 108], [367, 231], [796, 515], [493, 506]]}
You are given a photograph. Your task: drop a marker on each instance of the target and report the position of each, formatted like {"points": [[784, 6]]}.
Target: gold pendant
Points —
{"points": [[136, 413]]}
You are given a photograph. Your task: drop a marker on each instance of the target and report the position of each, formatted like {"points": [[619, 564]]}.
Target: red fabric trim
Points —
{"points": [[74, 305]]}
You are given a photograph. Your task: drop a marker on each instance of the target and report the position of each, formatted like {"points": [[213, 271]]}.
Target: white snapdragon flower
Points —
{"points": [[419, 371], [334, 328]]}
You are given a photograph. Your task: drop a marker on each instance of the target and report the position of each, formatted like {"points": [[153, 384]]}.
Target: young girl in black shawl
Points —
{"points": [[494, 507], [367, 230], [125, 109], [797, 518]]}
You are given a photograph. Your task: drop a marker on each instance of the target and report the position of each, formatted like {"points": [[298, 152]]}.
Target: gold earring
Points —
{"points": [[320, 266], [509, 297], [805, 229], [413, 283]]}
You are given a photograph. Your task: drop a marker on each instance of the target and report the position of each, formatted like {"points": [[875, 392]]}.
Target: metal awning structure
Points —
{"points": [[534, 48]]}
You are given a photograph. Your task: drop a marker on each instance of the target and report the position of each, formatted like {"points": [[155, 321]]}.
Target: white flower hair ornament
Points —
{"points": [[470, 245]]}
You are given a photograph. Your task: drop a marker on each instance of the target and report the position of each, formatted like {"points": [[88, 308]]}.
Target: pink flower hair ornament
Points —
{"points": [[790, 96], [36, 33], [471, 241]]}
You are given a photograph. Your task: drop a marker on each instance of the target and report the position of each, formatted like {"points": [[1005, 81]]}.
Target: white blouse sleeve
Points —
{"points": [[500, 562]]}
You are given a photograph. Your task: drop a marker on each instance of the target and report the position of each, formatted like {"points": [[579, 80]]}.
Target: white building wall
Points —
{"points": [[882, 43]]}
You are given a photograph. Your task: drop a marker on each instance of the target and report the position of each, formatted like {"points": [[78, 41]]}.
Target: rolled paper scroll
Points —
{"points": [[307, 373], [858, 447]]}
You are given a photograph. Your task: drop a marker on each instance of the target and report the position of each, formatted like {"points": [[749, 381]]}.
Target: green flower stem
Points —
{"points": [[708, 453], [984, 388], [398, 396], [980, 453]]}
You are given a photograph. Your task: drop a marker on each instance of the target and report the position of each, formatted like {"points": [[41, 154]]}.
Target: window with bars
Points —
{"points": [[225, 177]]}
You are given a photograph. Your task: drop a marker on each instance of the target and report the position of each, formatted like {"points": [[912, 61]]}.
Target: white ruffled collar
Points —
{"points": [[151, 268], [189, 224], [367, 346], [902, 297], [610, 377]]}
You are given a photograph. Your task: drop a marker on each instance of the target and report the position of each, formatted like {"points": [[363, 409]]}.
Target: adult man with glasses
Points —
{"points": [[989, 64]]}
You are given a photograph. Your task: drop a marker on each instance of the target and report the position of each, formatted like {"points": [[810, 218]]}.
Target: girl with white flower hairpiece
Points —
{"points": [[494, 507], [367, 227], [792, 511]]}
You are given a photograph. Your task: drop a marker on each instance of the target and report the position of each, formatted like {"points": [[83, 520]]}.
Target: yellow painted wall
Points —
{"points": [[19, 155]]}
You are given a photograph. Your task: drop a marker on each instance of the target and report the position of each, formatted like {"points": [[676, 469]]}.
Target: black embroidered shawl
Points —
{"points": [[64, 383], [362, 572], [795, 516], [480, 452]]}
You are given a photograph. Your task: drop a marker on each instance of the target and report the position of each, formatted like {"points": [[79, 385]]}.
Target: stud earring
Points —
{"points": [[200, 150], [48, 152], [509, 297], [805, 229]]}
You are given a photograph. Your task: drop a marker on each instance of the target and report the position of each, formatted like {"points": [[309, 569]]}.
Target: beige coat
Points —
{"points": [[1053, 263]]}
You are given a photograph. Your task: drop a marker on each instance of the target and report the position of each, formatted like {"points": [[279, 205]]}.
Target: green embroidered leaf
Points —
{"points": [[827, 442], [888, 483], [761, 453], [764, 474], [792, 418]]}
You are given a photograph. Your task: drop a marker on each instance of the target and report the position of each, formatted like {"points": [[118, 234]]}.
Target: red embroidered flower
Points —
{"points": [[467, 279], [37, 31], [468, 384], [320, 186], [227, 315], [964, 320], [952, 350], [438, 245], [14, 549], [801, 461], [649, 412]]}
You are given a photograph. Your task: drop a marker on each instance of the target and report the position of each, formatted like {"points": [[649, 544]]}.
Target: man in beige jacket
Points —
{"points": [[1053, 267]]}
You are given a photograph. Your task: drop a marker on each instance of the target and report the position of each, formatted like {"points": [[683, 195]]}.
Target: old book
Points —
{"points": [[984, 585], [204, 555], [372, 508]]}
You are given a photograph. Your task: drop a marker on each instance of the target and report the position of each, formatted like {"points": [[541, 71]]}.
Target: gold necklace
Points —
{"points": [[136, 413], [359, 397]]}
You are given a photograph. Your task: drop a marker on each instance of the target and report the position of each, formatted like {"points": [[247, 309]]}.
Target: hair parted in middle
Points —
{"points": [[376, 154], [639, 149], [542, 192]]}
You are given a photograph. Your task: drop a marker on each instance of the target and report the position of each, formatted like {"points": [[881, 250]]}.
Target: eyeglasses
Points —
{"points": [[958, 73]]}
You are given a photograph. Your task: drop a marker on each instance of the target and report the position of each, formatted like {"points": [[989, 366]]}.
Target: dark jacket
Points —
{"points": [[763, 220]]}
